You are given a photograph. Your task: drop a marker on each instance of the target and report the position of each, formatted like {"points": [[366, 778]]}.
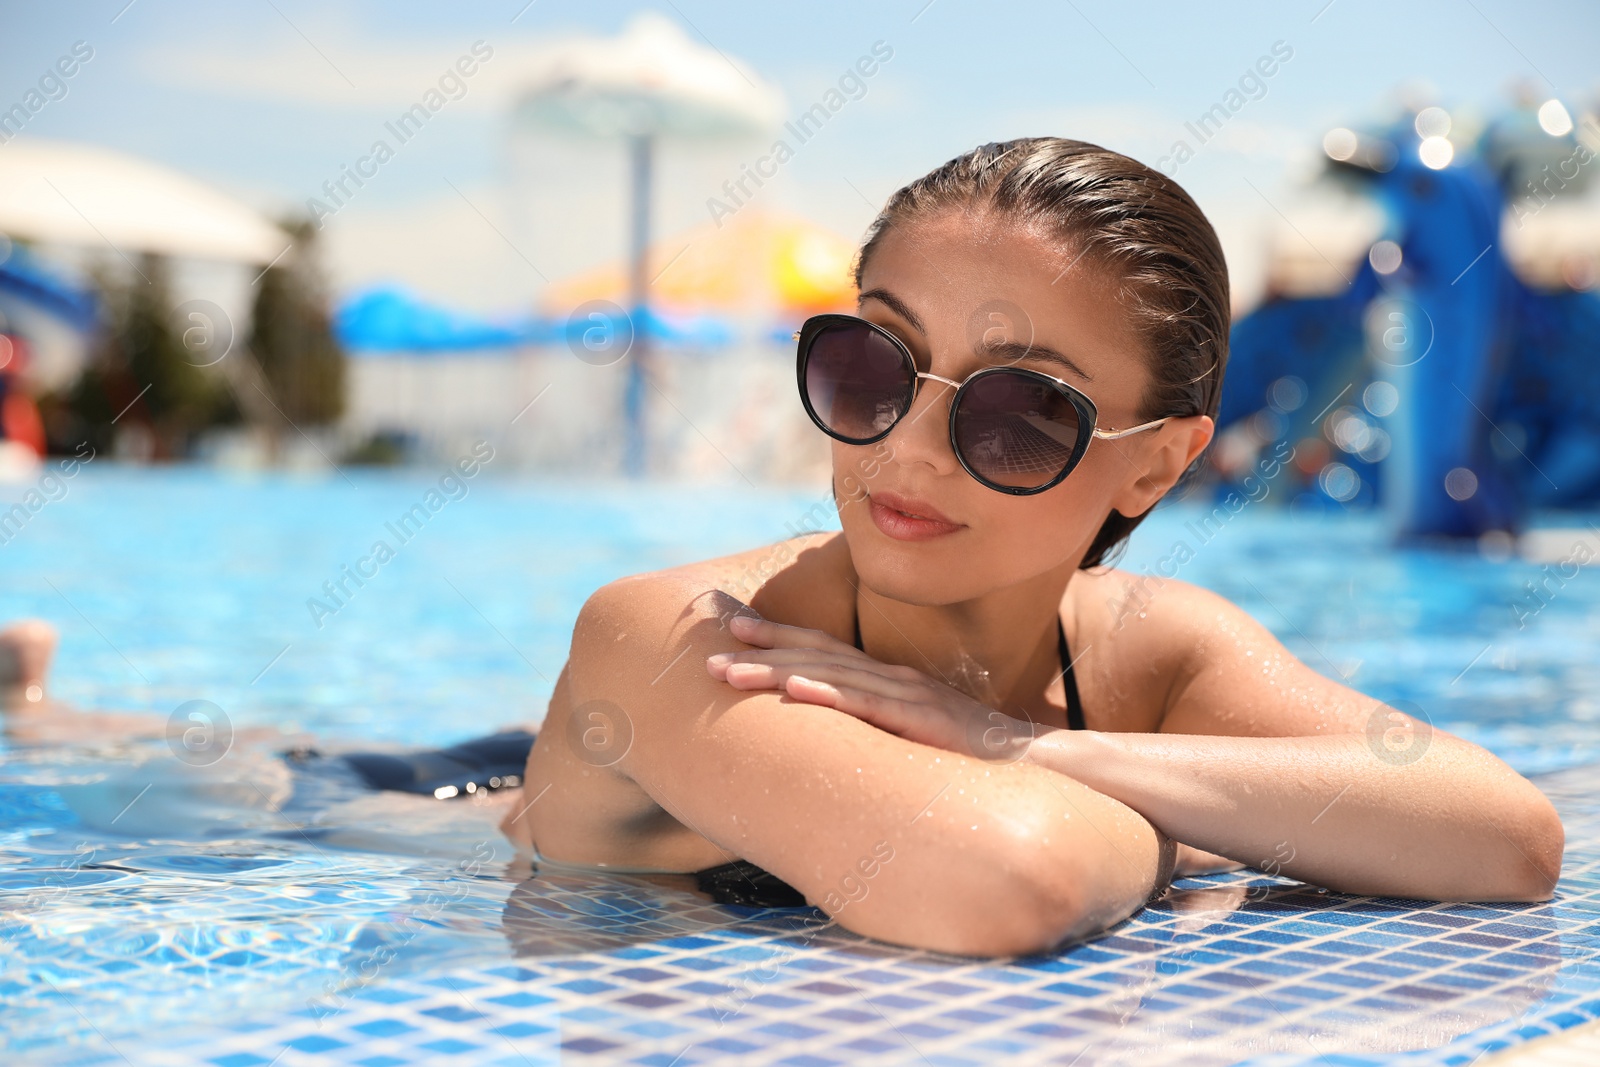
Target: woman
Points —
{"points": [[953, 725], [922, 784], [945, 725]]}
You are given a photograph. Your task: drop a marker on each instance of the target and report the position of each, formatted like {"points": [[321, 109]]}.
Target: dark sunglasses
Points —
{"points": [[1015, 430]]}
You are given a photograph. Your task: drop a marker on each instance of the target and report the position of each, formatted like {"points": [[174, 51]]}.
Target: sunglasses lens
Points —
{"points": [[856, 380], [1016, 430]]}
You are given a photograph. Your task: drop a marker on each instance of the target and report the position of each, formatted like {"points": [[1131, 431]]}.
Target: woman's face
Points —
{"points": [[947, 285]]}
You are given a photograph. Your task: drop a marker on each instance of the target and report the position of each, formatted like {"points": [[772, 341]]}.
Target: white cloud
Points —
{"points": [[344, 70]]}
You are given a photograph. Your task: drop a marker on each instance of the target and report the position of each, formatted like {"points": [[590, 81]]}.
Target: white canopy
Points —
{"points": [[650, 81], [85, 195]]}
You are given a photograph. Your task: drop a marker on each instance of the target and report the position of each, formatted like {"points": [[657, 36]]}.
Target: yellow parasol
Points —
{"points": [[757, 263]]}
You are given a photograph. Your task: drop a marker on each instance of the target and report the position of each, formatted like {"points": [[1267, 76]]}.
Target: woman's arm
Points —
{"points": [[1325, 784], [1455, 824], [963, 856], [1331, 786]]}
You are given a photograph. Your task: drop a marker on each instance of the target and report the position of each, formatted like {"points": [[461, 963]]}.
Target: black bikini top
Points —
{"points": [[743, 883], [1074, 703]]}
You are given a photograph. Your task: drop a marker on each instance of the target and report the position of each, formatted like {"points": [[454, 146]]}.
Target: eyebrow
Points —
{"points": [[1008, 350]]}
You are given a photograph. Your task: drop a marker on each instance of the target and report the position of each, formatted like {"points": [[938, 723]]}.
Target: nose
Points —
{"points": [[918, 439]]}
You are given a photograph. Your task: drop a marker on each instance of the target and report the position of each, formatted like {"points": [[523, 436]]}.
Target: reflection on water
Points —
{"points": [[155, 897], [1274, 1004], [248, 892], [561, 913]]}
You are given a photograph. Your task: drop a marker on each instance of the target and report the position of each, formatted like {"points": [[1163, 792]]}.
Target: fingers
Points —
{"points": [[787, 657], [886, 713], [768, 675], [771, 634]]}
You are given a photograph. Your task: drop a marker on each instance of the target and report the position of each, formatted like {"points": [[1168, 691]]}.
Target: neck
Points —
{"points": [[999, 648]]}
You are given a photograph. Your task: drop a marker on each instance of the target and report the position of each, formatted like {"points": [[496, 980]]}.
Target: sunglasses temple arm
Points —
{"points": [[1112, 435]]}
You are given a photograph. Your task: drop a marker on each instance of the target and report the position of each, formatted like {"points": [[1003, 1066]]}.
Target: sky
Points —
{"points": [[269, 99]]}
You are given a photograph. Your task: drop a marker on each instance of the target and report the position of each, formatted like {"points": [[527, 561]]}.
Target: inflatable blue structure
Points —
{"points": [[390, 319], [1487, 389], [27, 281]]}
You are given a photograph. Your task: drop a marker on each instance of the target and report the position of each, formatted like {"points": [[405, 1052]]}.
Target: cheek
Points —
{"points": [[1074, 510], [856, 469]]}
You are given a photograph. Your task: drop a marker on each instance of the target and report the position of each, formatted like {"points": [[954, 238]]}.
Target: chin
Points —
{"points": [[912, 572]]}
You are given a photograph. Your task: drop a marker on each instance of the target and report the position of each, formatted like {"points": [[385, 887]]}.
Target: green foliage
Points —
{"points": [[292, 335], [140, 373]]}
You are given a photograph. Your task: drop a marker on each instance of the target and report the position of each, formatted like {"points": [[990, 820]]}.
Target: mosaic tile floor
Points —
{"points": [[1233, 968]]}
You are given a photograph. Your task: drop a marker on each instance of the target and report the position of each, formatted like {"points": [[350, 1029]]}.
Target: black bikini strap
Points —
{"points": [[1069, 681]]}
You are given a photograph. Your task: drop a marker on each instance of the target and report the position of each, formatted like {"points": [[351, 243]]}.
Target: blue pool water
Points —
{"points": [[196, 925]]}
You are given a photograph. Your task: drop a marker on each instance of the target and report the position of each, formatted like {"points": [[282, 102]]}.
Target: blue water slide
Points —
{"points": [[1498, 383], [24, 278], [393, 319]]}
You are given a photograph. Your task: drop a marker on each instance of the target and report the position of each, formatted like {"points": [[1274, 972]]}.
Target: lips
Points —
{"points": [[911, 506]]}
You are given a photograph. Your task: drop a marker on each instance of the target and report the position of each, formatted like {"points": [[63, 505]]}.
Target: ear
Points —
{"points": [[1157, 463]]}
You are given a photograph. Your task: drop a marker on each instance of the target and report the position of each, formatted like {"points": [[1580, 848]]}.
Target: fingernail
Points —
{"points": [[742, 621], [719, 658]]}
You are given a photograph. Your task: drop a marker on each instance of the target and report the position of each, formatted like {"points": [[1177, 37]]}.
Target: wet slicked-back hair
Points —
{"points": [[1119, 218]]}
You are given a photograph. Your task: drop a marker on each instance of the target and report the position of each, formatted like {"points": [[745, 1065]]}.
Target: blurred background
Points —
{"points": [[347, 347], [314, 236]]}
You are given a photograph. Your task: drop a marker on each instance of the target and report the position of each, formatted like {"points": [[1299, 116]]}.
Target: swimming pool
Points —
{"points": [[271, 940]]}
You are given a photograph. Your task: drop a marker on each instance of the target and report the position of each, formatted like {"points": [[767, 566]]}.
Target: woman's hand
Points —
{"points": [[817, 668]]}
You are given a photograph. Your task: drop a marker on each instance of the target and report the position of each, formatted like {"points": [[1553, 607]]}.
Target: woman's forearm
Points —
{"points": [[1454, 824]]}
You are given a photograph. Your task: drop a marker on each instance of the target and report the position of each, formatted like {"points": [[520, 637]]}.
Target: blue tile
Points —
{"points": [[314, 1043], [643, 974], [450, 1046], [520, 999], [383, 1027], [590, 1045], [636, 952], [788, 1030], [1071, 989], [452, 1013], [385, 995], [514, 974], [586, 985], [453, 982]]}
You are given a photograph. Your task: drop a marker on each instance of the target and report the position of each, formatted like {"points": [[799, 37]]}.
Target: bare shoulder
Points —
{"points": [[665, 615], [1202, 664], [637, 657], [796, 575]]}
